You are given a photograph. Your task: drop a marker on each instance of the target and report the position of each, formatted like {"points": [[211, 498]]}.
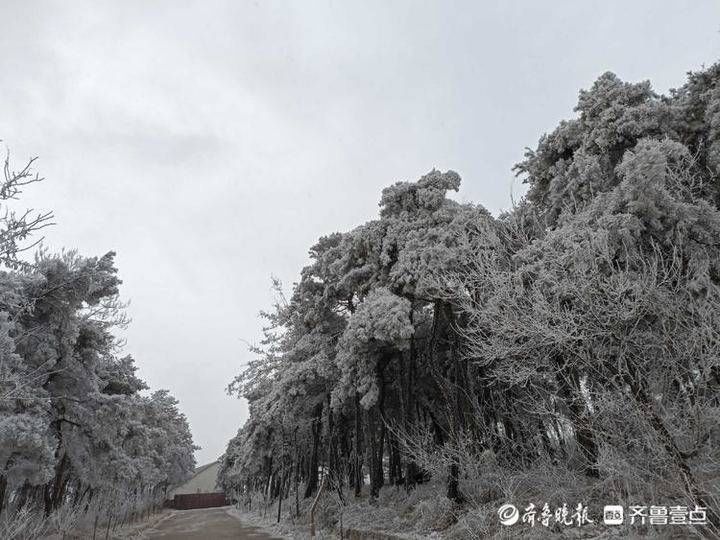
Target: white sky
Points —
{"points": [[211, 143]]}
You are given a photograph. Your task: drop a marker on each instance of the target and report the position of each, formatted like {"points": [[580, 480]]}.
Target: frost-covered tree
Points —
{"points": [[615, 302], [577, 331], [349, 345], [75, 426]]}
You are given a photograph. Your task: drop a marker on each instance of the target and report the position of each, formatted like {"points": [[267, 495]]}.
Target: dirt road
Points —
{"points": [[206, 524]]}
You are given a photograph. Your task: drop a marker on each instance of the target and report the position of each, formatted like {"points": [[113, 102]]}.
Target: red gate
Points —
{"points": [[199, 500]]}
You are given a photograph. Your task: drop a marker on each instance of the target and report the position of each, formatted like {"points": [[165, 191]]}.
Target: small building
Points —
{"points": [[203, 480]]}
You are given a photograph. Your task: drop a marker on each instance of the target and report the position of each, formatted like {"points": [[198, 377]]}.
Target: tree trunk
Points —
{"points": [[314, 464], [357, 467], [409, 401], [314, 506], [453, 483], [55, 490], [280, 497], [457, 416], [297, 476], [3, 490], [375, 452], [395, 475], [568, 381], [669, 445]]}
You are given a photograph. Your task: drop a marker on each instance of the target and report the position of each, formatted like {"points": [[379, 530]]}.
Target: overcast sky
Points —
{"points": [[211, 143]]}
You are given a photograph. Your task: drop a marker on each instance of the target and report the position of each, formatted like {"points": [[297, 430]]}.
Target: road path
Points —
{"points": [[204, 523]]}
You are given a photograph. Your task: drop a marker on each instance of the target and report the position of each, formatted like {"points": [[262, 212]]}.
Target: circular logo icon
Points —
{"points": [[508, 514]]}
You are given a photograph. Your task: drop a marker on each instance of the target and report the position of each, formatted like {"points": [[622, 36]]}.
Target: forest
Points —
{"points": [[81, 438], [563, 352]]}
